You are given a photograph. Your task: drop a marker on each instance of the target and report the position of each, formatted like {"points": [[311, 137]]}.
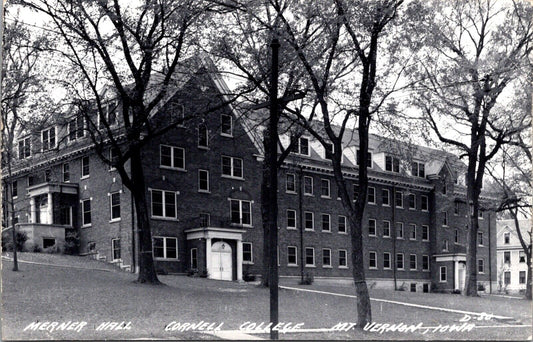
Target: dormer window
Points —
{"points": [[226, 125], [302, 146], [418, 169], [506, 238], [48, 139], [25, 148], [392, 164], [368, 159], [76, 128], [177, 113], [110, 114]]}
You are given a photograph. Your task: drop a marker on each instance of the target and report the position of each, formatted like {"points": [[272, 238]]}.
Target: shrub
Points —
{"points": [[480, 287], [456, 291], [204, 274], [249, 277], [72, 242], [308, 279], [7, 241]]}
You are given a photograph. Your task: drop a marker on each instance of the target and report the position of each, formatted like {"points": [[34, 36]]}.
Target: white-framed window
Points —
{"points": [[445, 218], [418, 169], [412, 230], [399, 261], [456, 208], [456, 236], [355, 191], [113, 157], [115, 248], [445, 246], [506, 238], [247, 253], [343, 258], [386, 228], [85, 167], [291, 219], [86, 212], [424, 203], [114, 204], [342, 225], [326, 257], [399, 230], [76, 128], [309, 257], [24, 147], [65, 170], [386, 261], [232, 167], [194, 258], [48, 175], [412, 201], [290, 183], [326, 222], [398, 199], [372, 260], [14, 189], [480, 266], [325, 188], [203, 180], [226, 125], [172, 157], [164, 204], [522, 277], [48, 138], [110, 114], [203, 136], [371, 227], [480, 238], [412, 261], [507, 278], [302, 147], [392, 164], [309, 221], [385, 197], [521, 256], [480, 214], [241, 212], [308, 185], [425, 262], [165, 247], [292, 256], [425, 233], [371, 195], [368, 159], [443, 274]]}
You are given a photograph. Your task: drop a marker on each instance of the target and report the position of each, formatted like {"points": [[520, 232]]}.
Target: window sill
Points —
{"points": [[411, 239], [227, 135], [326, 266], [386, 237], [425, 240], [84, 177], [343, 267], [309, 230], [204, 191], [164, 167], [424, 210], [205, 148], [310, 266], [372, 203], [387, 268], [425, 270], [239, 225], [372, 268], [309, 195], [372, 235], [412, 209], [343, 233], [247, 262], [87, 225], [233, 177], [291, 228], [290, 192], [326, 231], [326, 197], [443, 281], [166, 259], [412, 269], [292, 265], [397, 207], [114, 220], [161, 218]]}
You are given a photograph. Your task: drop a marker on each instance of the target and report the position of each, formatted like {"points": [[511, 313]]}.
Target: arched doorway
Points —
{"points": [[221, 263]]}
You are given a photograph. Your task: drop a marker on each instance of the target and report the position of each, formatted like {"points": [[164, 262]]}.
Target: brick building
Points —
{"points": [[203, 189]]}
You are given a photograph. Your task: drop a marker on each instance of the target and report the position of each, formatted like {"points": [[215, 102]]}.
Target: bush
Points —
{"points": [[204, 274], [191, 273], [308, 279], [72, 242], [249, 277], [7, 241], [480, 287], [456, 291]]}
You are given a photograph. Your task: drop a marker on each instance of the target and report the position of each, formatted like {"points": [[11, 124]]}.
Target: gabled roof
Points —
{"points": [[504, 226]]}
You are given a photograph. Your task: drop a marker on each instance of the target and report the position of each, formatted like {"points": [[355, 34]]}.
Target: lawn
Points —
{"points": [[57, 294]]}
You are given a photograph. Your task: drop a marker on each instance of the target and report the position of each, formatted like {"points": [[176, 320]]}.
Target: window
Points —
{"points": [[386, 229], [165, 248], [76, 128], [392, 164], [385, 197], [326, 223], [290, 183], [309, 256], [425, 233], [247, 253], [522, 277], [521, 256], [205, 219], [480, 266], [194, 258], [480, 238], [371, 195], [368, 159], [291, 219], [86, 212], [66, 172], [115, 247], [48, 242], [31, 180], [418, 169], [480, 214], [302, 146], [48, 138], [309, 221], [241, 212], [456, 208], [456, 236], [412, 201], [172, 157], [232, 167], [203, 180], [325, 188], [226, 125], [507, 257], [292, 254], [164, 204], [65, 215], [14, 189], [507, 277], [342, 258], [399, 230], [113, 157], [85, 169], [203, 136], [355, 192], [412, 229], [308, 185], [398, 196], [326, 257], [445, 218], [425, 288], [445, 246], [115, 205], [48, 175], [328, 151], [109, 115], [425, 262], [25, 148], [412, 261], [177, 113], [342, 224], [372, 260], [506, 238], [372, 227], [399, 261], [443, 274], [444, 189], [424, 203], [386, 260], [413, 287]]}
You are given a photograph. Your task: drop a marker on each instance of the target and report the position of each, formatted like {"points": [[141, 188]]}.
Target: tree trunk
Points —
{"points": [[9, 195], [264, 216], [528, 280], [471, 255]]}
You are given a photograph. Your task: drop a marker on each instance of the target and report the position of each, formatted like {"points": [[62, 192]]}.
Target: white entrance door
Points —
{"points": [[221, 265], [462, 275], [43, 210]]}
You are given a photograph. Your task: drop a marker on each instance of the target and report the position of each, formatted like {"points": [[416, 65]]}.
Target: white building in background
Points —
{"points": [[511, 258]]}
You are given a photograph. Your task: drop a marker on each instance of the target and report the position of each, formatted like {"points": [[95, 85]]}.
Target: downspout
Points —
{"points": [[490, 257], [300, 210], [394, 233]]}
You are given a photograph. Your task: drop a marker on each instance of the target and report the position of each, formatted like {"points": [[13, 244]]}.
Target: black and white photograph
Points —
{"points": [[266, 169]]}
